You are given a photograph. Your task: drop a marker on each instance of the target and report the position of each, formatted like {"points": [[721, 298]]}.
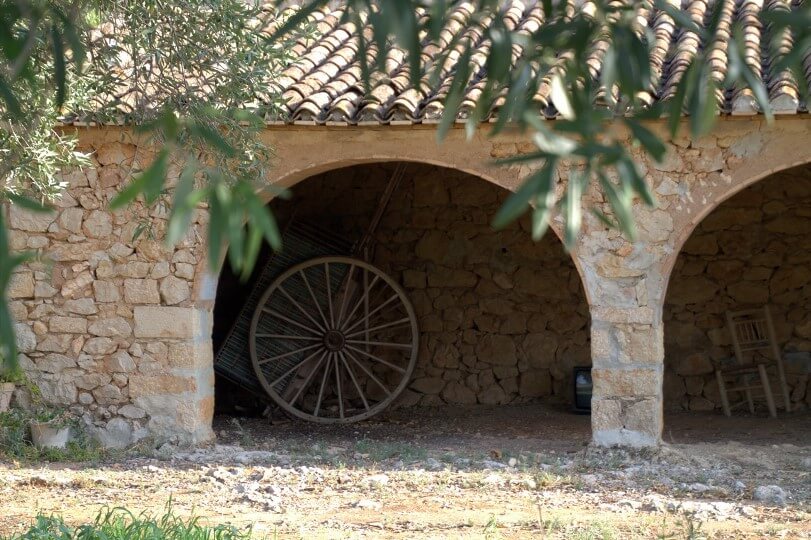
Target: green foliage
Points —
{"points": [[15, 441], [204, 113], [56, 417], [33, 35], [685, 526], [194, 77], [594, 531], [36, 39], [584, 145], [122, 524], [11, 373], [490, 530], [14, 433], [9, 366], [197, 78]]}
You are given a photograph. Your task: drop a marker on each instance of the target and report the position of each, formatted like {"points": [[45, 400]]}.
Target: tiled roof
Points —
{"points": [[324, 85]]}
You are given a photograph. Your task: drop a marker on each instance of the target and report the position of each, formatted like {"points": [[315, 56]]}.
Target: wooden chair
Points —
{"points": [[756, 351]]}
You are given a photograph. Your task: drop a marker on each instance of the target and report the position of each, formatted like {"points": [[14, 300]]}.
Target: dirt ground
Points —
{"points": [[503, 472]]}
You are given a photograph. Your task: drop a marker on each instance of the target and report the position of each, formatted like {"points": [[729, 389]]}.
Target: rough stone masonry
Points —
{"points": [[502, 319], [107, 325], [119, 328]]}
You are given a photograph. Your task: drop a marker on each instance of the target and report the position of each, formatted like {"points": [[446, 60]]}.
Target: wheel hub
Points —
{"points": [[334, 340], [306, 361]]}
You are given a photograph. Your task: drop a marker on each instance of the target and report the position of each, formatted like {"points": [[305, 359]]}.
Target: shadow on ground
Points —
{"points": [[513, 472]]}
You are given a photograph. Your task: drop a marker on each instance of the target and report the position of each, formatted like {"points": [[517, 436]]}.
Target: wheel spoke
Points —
{"points": [[301, 309], [338, 385], [288, 319], [312, 295], [309, 378], [379, 320], [354, 380], [327, 368], [363, 298], [345, 296], [329, 295], [366, 303], [374, 311], [294, 368], [381, 327], [378, 359], [369, 373], [363, 331], [285, 355], [282, 336], [380, 343]]}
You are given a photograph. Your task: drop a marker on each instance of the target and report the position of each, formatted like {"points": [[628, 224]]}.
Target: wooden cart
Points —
{"points": [[326, 335]]}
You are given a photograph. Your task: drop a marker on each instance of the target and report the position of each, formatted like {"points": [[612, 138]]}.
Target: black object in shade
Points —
{"points": [[582, 389]]}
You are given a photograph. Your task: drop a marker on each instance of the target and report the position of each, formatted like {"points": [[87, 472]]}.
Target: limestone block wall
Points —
{"points": [[120, 328], [106, 324], [503, 319], [626, 280], [754, 249]]}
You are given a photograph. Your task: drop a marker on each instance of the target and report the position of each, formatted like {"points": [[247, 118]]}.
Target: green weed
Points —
{"points": [[548, 525], [491, 528], [15, 443], [379, 451], [594, 531], [121, 524], [551, 480], [685, 527]]}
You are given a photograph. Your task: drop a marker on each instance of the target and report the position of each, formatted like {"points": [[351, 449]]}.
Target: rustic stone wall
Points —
{"points": [[754, 249], [106, 325], [107, 299], [502, 319], [625, 281]]}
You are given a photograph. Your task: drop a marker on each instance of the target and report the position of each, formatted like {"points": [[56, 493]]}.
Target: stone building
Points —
{"points": [[121, 329]]}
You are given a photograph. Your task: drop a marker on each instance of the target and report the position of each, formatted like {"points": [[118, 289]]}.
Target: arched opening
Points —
{"points": [[502, 320], [752, 250]]}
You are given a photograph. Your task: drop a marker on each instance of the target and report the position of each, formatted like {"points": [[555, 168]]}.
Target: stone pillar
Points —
{"points": [[627, 344], [627, 348], [179, 396]]}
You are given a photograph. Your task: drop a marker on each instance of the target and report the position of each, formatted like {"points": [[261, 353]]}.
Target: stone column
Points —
{"points": [[178, 396], [627, 349], [625, 293]]}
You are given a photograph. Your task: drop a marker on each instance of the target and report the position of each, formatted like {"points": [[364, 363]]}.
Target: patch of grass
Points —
{"points": [[610, 460], [685, 527], [551, 480], [448, 457], [246, 440], [15, 442], [548, 525], [491, 528], [596, 530], [379, 451], [121, 524]]}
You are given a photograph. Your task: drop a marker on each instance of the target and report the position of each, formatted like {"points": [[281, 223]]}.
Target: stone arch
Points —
{"points": [[770, 152], [289, 178], [504, 177], [288, 174], [629, 280], [329, 172], [746, 251]]}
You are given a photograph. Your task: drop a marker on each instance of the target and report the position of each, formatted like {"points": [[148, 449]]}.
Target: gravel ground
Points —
{"points": [[506, 472]]}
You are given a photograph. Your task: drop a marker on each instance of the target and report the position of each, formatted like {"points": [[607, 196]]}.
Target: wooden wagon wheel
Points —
{"points": [[334, 340]]}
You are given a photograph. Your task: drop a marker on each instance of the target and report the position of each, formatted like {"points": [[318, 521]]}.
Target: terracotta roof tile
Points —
{"points": [[323, 85]]}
